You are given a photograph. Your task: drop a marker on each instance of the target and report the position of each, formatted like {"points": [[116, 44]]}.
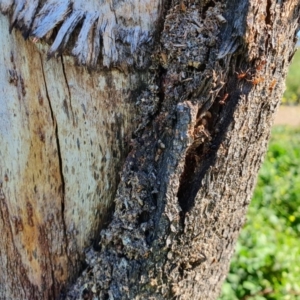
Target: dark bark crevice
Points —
{"points": [[214, 118], [201, 155], [268, 11]]}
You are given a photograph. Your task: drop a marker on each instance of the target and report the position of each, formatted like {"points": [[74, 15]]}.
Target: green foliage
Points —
{"points": [[266, 264], [292, 93]]}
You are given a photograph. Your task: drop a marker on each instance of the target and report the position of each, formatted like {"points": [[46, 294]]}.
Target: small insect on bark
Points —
{"points": [[223, 100], [256, 80], [272, 84], [182, 6], [242, 75]]}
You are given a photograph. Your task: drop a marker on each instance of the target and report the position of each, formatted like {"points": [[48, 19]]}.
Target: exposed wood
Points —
{"points": [[64, 135]]}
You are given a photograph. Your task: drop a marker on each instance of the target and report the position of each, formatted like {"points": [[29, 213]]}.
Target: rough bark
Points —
{"points": [[200, 129]]}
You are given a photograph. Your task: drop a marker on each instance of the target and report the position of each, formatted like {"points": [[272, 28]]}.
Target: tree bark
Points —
{"points": [[167, 128]]}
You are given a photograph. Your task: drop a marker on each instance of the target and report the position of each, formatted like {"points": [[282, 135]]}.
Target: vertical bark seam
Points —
{"points": [[60, 166]]}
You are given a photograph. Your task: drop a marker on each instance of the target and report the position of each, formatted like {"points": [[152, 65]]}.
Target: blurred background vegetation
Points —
{"points": [[266, 265], [292, 93]]}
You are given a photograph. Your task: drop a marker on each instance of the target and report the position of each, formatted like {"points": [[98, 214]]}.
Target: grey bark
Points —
{"points": [[210, 87]]}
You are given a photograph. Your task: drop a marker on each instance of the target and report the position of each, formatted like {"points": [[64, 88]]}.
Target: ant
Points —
{"points": [[223, 100], [272, 84], [242, 75], [257, 80]]}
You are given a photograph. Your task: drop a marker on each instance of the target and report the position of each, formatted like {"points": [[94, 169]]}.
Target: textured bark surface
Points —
{"points": [[198, 121], [181, 204]]}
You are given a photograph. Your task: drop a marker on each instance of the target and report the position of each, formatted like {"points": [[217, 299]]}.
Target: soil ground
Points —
{"points": [[288, 115]]}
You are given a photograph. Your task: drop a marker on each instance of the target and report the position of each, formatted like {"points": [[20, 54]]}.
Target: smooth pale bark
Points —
{"points": [[197, 137]]}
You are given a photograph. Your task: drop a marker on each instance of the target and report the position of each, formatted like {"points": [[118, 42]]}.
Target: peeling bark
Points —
{"points": [[198, 121], [122, 29]]}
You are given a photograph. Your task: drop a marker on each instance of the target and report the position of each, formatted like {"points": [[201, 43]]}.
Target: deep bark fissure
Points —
{"points": [[199, 159], [212, 123], [222, 108], [268, 11]]}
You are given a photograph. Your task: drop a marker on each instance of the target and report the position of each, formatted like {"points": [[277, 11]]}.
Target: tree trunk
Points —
{"points": [[166, 127]]}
